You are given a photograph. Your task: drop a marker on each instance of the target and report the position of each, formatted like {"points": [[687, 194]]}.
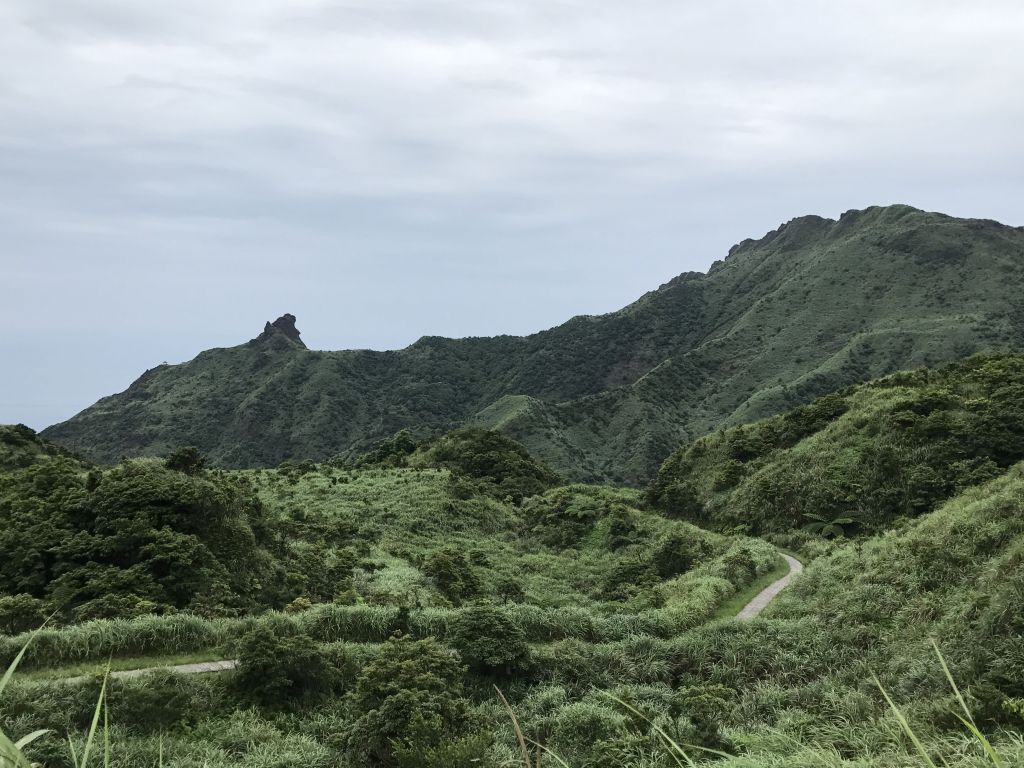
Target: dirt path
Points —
{"points": [[766, 595], [181, 669]]}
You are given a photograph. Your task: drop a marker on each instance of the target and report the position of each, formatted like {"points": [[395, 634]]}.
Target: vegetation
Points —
{"points": [[809, 308], [858, 460], [609, 654], [402, 596]]}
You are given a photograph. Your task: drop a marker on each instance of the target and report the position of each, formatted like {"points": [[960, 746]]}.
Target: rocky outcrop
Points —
{"points": [[283, 326]]}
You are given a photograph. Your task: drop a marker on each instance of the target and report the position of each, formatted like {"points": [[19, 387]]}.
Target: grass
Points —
{"points": [[736, 603]]}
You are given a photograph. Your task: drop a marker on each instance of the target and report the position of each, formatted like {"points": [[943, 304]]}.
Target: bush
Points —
{"points": [[490, 642], [453, 574], [501, 466], [583, 732], [187, 460], [677, 552], [408, 703], [21, 613], [281, 667]]}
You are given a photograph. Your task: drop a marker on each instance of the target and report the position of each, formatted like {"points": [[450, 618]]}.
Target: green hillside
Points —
{"points": [[867, 456], [564, 598], [803, 676], [811, 307]]}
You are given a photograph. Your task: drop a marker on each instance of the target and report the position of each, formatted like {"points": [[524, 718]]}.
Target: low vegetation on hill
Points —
{"points": [[863, 458], [811, 307], [375, 603]]}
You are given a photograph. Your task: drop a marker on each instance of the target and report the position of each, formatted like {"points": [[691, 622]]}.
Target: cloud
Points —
{"points": [[332, 157]]}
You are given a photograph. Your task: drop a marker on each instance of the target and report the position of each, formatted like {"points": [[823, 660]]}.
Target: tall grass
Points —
{"points": [[185, 633], [687, 755], [12, 752]]}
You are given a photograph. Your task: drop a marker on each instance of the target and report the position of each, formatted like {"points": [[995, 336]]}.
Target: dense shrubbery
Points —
{"points": [[490, 642], [135, 539], [409, 709], [280, 666], [453, 574], [870, 454], [408, 592]]}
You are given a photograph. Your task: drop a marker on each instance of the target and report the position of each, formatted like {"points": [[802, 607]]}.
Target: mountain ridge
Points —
{"points": [[811, 306]]}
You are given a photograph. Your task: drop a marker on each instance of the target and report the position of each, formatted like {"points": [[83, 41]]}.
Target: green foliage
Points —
{"points": [[598, 617], [280, 667], [141, 539], [807, 309], [407, 702], [858, 460], [565, 517], [453, 574], [501, 466], [837, 526], [188, 460], [21, 613], [392, 452], [490, 642], [677, 552]]}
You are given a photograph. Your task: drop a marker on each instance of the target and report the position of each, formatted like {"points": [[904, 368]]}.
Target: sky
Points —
{"points": [[173, 175]]}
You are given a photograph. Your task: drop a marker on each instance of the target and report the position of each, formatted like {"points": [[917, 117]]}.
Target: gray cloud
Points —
{"points": [[172, 175]]}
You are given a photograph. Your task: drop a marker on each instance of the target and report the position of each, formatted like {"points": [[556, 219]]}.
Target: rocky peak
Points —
{"points": [[283, 326]]}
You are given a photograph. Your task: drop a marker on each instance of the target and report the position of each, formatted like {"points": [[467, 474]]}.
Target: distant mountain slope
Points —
{"points": [[810, 307]]}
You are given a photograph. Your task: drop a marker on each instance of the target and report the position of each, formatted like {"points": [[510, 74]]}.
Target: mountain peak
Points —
{"points": [[284, 326]]}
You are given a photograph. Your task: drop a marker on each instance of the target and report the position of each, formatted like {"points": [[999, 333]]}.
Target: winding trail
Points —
{"points": [[769, 593], [750, 610]]}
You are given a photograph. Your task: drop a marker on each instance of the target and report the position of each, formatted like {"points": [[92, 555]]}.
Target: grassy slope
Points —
{"points": [[791, 689], [810, 307], [872, 607], [396, 518], [873, 453]]}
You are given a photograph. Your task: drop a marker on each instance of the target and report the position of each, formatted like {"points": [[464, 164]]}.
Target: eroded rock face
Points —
{"points": [[284, 325]]}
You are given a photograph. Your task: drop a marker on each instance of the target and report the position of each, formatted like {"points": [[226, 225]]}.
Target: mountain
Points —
{"points": [[813, 306]]}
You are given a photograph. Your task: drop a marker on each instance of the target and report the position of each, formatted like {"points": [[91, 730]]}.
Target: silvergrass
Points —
{"points": [[967, 718], [12, 752]]}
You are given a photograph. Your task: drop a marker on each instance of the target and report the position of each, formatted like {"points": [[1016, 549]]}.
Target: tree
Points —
{"points": [[490, 642], [408, 703], [280, 667], [677, 553], [509, 590], [21, 613], [453, 574], [187, 460]]}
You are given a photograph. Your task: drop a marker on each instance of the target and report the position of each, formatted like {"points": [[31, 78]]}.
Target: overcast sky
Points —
{"points": [[172, 175]]}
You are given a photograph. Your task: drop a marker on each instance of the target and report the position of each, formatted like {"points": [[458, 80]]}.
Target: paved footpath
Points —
{"points": [[766, 595], [181, 669]]}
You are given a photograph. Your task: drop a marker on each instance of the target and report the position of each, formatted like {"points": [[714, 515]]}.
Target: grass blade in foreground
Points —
{"points": [[10, 751], [969, 721]]}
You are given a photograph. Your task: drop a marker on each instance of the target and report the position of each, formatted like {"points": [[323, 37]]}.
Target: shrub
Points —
{"points": [[490, 642], [279, 667], [21, 613], [407, 703], [187, 460], [677, 552], [453, 574], [583, 731]]}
